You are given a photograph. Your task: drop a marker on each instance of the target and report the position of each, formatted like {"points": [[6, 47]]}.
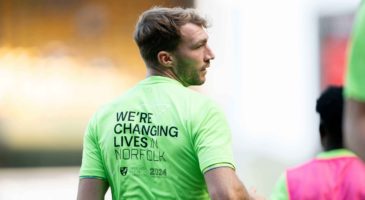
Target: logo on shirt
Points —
{"points": [[123, 170]]}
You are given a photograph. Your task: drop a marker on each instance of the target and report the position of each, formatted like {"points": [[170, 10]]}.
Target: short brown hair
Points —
{"points": [[158, 29]]}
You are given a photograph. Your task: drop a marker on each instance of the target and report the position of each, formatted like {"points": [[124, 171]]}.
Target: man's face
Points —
{"points": [[192, 55]]}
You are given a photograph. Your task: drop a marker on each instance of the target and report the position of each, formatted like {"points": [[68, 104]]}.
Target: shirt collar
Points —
{"points": [[335, 153], [159, 79]]}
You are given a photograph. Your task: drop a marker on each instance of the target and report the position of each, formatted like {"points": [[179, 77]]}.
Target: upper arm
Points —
{"points": [[92, 189], [212, 138], [223, 183], [92, 161], [213, 146], [92, 184]]}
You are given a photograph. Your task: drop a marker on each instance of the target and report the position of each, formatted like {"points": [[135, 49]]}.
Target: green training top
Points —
{"points": [[355, 77], [156, 142]]}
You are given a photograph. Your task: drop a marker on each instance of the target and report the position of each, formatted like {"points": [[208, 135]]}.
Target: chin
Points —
{"points": [[197, 83], [201, 82]]}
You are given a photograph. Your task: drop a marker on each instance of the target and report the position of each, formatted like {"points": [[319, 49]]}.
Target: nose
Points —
{"points": [[209, 55]]}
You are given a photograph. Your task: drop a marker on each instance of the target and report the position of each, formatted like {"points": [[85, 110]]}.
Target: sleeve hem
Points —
{"points": [[92, 177], [217, 165]]}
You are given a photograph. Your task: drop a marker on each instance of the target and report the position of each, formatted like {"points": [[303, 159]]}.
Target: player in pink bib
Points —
{"points": [[336, 173]]}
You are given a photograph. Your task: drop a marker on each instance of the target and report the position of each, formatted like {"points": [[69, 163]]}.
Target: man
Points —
{"points": [[355, 88], [161, 140], [335, 173]]}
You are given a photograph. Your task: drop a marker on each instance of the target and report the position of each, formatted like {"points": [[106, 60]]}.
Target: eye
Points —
{"points": [[199, 46]]}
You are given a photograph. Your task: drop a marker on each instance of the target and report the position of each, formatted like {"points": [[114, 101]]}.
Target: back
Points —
{"points": [[156, 141], [335, 175]]}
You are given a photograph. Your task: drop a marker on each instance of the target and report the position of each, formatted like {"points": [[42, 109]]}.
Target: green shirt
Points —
{"points": [[355, 77], [281, 189], [156, 142]]}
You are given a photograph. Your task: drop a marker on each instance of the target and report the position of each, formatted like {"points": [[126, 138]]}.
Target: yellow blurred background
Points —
{"points": [[59, 61]]}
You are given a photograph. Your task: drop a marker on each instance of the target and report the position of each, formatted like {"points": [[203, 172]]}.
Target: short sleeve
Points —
{"points": [[212, 139], [92, 165], [355, 81], [280, 191]]}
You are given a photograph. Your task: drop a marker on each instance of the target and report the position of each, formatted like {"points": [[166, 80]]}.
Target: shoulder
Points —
{"points": [[203, 106], [302, 167], [200, 98]]}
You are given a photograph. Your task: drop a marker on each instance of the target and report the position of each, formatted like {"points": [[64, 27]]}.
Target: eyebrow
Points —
{"points": [[199, 42]]}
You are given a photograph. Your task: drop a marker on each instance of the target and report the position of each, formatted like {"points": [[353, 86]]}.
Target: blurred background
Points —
{"points": [[62, 59]]}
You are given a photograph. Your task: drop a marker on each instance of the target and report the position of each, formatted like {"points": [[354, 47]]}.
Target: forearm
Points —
{"points": [[224, 184], [92, 189], [238, 193], [355, 127]]}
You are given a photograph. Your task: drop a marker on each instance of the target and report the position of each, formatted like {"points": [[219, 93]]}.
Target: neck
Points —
{"points": [[329, 144], [332, 147], [165, 72]]}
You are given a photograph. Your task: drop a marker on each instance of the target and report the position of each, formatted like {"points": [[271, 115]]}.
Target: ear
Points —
{"points": [[165, 58]]}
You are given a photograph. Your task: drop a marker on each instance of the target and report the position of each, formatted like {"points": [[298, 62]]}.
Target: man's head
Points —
{"points": [[330, 108], [175, 40]]}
